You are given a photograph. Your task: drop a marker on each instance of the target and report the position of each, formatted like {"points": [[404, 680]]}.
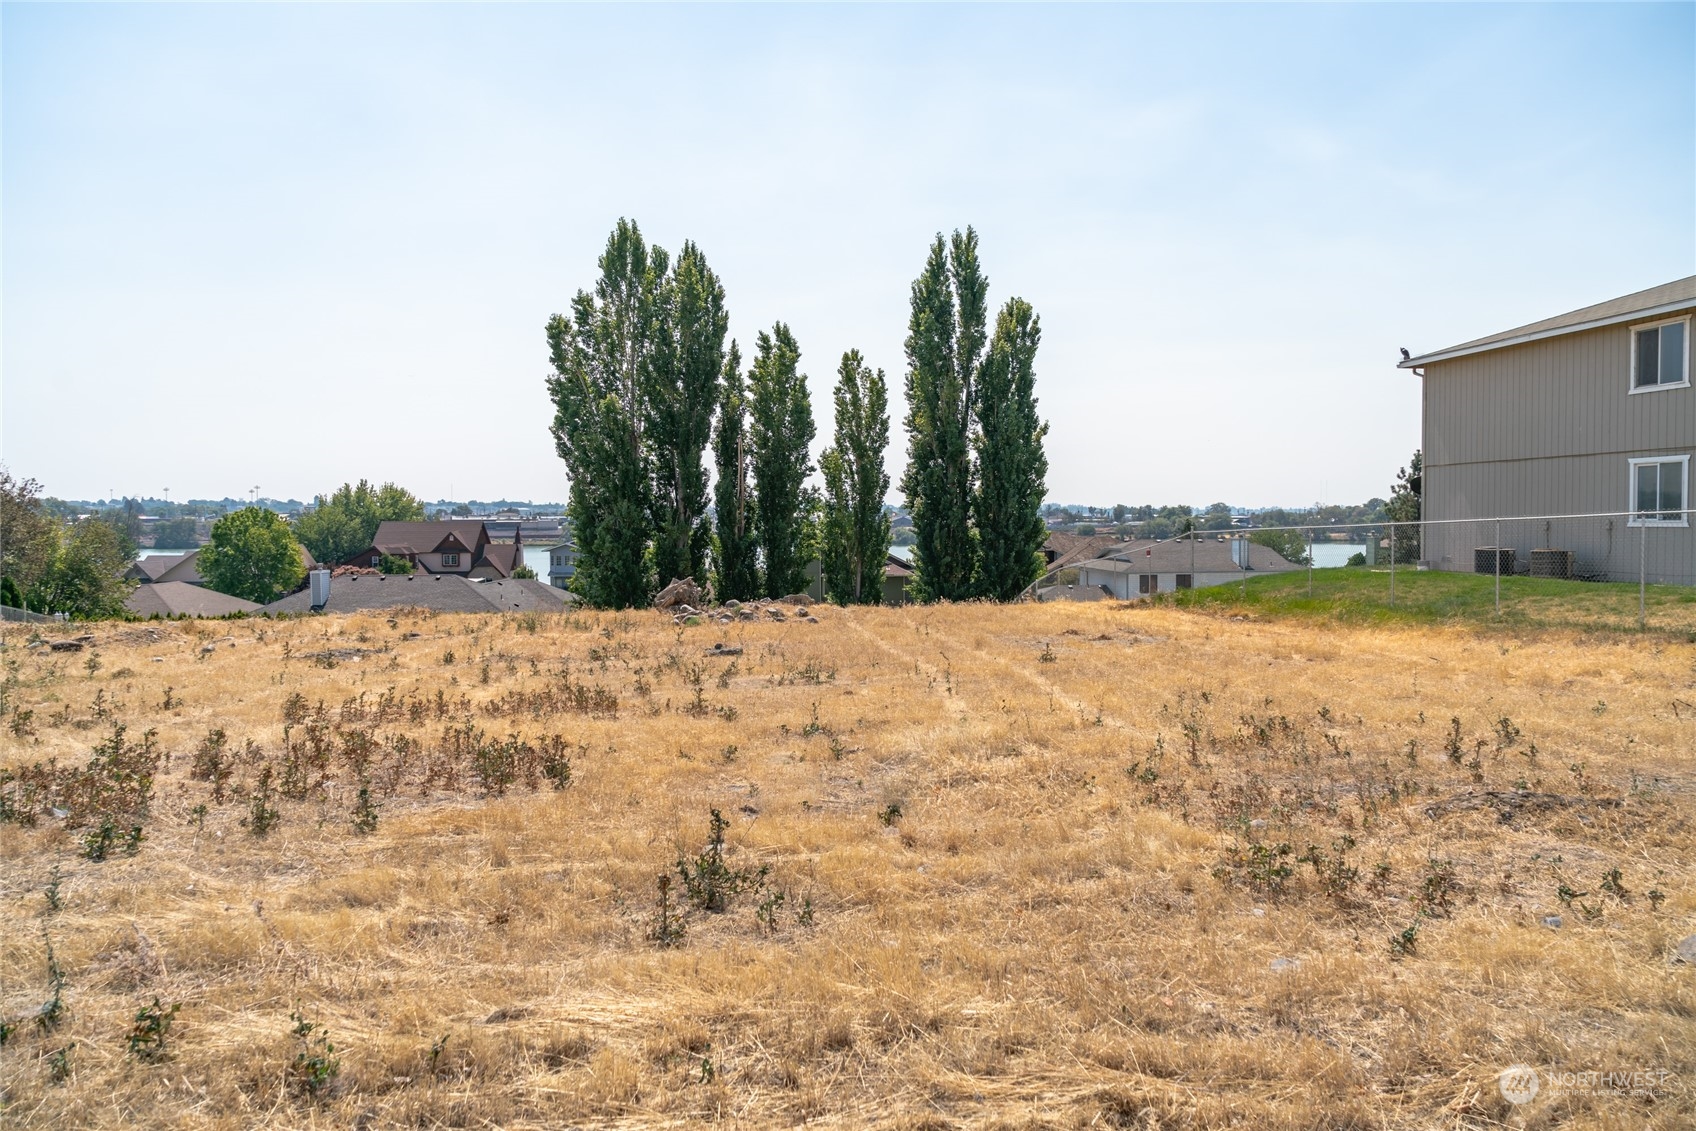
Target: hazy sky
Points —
{"points": [[289, 246]]}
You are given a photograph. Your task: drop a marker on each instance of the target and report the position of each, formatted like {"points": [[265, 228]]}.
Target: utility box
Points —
{"points": [[1493, 559], [1552, 563]]}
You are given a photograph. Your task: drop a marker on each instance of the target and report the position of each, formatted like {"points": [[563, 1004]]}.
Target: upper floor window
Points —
{"points": [[1660, 355], [450, 559], [1659, 487]]}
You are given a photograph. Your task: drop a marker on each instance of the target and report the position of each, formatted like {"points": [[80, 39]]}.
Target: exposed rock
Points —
{"points": [[66, 646], [1279, 965], [681, 592], [723, 649], [775, 613], [1553, 922], [797, 599], [733, 604], [1685, 951]]}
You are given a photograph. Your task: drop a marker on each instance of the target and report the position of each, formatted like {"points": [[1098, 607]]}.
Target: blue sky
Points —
{"points": [[289, 246]]}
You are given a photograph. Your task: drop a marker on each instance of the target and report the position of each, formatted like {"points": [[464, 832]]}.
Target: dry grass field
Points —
{"points": [[1037, 866]]}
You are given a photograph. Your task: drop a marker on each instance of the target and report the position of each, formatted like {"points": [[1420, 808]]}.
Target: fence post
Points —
{"points": [[1498, 553], [1642, 571], [1310, 562], [1392, 565]]}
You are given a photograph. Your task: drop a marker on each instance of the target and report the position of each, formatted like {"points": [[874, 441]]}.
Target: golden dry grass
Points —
{"points": [[1035, 842]]}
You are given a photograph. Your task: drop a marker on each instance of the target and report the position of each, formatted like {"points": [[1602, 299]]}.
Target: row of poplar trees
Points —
{"points": [[644, 383]]}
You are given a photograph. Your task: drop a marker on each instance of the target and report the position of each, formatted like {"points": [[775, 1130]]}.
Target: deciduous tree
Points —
{"points": [[781, 429], [29, 536], [345, 522], [735, 568], [601, 354], [252, 555], [681, 389], [1012, 467], [945, 337], [855, 526]]}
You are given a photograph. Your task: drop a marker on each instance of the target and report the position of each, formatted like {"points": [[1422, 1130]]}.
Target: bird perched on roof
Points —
{"points": [[1405, 355]]}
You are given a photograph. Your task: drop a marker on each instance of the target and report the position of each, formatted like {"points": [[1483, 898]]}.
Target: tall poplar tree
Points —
{"points": [[856, 529], [780, 415], [681, 390], [945, 338], [1012, 467], [735, 571], [601, 354]]}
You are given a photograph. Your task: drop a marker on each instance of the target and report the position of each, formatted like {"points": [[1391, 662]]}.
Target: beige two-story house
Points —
{"points": [[1587, 413]]}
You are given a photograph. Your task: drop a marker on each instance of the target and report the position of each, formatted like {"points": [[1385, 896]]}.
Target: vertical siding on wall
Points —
{"points": [[1548, 428]]}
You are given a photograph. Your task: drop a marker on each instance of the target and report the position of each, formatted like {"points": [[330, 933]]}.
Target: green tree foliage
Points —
{"points": [[945, 337], [345, 522], [85, 577], [780, 429], [29, 535], [1012, 467], [126, 521], [681, 390], [176, 534], [1290, 544], [601, 354], [855, 530], [1404, 506], [252, 555], [735, 570], [392, 564]]}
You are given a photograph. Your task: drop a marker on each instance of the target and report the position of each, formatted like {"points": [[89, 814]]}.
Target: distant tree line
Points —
{"points": [[644, 381]]}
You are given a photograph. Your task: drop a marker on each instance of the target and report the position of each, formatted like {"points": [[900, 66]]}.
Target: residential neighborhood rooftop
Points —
{"points": [[446, 593]]}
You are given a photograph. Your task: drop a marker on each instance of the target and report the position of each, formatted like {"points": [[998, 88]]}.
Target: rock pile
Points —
{"points": [[688, 604]]}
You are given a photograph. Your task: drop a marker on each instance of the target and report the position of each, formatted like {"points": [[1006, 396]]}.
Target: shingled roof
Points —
{"points": [[180, 598], [445, 593]]}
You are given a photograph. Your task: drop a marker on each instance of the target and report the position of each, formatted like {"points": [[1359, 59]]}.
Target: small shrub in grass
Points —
{"points": [[147, 1035], [668, 928], [52, 1011], [709, 881], [364, 812], [1405, 942], [316, 1065], [59, 1064], [262, 816]]}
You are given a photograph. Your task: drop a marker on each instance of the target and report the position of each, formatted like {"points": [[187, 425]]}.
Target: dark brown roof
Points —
{"points": [[504, 556], [424, 537], [1665, 298], [1071, 548]]}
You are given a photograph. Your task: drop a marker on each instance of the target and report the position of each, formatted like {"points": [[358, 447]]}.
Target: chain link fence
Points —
{"points": [[1618, 569]]}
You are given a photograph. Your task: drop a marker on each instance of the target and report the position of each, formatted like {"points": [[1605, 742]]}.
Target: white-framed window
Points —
{"points": [[376, 560], [450, 560], [1660, 355], [1660, 491]]}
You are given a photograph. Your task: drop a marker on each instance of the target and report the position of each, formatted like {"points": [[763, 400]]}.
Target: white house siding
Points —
{"points": [[1125, 585]]}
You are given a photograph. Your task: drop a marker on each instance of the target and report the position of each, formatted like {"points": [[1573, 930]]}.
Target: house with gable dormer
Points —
{"points": [[457, 547]]}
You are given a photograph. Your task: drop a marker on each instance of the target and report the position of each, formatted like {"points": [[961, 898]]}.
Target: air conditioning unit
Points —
{"points": [[1552, 563], [1493, 559]]}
